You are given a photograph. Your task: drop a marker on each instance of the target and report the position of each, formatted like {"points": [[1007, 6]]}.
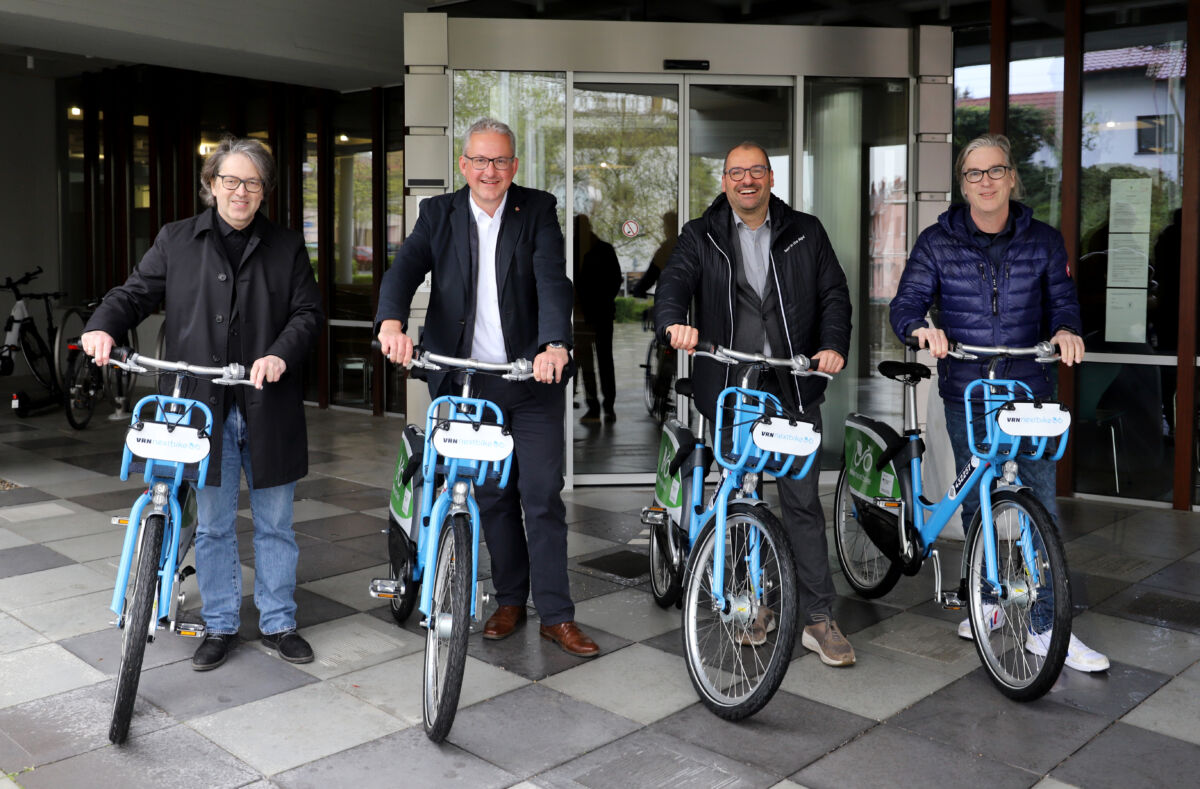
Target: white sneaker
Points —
{"points": [[994, 615], [1080, 656]]}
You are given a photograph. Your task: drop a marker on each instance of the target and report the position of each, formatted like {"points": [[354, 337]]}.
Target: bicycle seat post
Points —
{"points": [[910, 395]]}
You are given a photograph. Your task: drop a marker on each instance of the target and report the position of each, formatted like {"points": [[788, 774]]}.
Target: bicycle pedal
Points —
{"points": [[654, 516], [951, 602], [385, 588], [117, 520], [189, 629]]}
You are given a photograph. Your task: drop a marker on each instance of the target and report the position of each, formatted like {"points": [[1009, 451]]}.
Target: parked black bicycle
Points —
{"points": [[84, 383], [21, 333]]}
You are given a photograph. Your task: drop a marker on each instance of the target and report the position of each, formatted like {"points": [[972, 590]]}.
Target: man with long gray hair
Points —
{"points": [[237, 288]]}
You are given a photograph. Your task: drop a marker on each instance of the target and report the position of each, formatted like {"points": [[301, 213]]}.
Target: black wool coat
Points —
{"points": [[278, 314]]}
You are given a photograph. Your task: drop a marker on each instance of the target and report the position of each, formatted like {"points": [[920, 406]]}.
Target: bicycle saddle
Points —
{"points": [[905, 372], [684, 387]]}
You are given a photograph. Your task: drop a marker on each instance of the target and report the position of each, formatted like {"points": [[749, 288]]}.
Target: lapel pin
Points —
{"points": [[516, 208]]}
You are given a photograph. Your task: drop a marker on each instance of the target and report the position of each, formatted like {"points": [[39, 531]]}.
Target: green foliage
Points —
{"points": [[629, 310]]}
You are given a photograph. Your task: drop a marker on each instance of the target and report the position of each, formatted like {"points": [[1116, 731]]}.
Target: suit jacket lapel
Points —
{"points": [[460, 226], [510, 231]]}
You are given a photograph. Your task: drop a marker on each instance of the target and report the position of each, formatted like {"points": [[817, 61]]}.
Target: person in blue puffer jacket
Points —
{"points": [[995, 276]]}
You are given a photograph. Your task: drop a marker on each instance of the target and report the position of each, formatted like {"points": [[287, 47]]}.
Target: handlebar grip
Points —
{"points": [[120, 353], [911, 341], [375, 346]]}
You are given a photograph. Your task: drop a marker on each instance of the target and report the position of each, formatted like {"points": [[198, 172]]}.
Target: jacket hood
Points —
{"points": [[954, 219]]}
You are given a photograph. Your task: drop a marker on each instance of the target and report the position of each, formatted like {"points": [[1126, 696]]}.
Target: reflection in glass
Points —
{"points": [[720, 117], [856, 183], [353, 249], [393, 386], [351, 365], [1128, 269], [626, 173]]}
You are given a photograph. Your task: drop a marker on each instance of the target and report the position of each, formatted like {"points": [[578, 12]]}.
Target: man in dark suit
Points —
{"points": [[499, 292]]}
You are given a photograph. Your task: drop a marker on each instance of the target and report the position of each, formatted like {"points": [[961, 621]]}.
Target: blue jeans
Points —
{"points": [[1039, 475], [218, 571]]}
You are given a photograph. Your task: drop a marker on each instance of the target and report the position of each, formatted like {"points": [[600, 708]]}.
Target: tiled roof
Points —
{"points": [[1160, 62]]}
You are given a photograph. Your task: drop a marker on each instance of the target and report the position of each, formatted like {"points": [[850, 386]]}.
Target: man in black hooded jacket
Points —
{"points": [[765, 279]]}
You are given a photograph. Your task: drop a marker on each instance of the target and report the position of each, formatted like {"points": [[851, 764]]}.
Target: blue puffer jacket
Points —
{"points": [[1035, 295]]}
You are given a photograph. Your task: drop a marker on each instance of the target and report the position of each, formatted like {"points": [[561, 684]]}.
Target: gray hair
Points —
{"points": [[490, 125], [249, 147], [990, 141]]}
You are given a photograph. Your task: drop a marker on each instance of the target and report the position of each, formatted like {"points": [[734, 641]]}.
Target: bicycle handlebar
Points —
{"points": [[229, 375], [518, 370], [25, 279], [799, 365], [1043, 351]]}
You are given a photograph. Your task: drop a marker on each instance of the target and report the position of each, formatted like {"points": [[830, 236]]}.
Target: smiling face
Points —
{"points": [[237, 206], [748, 197], [987, 197], [489, 184]]}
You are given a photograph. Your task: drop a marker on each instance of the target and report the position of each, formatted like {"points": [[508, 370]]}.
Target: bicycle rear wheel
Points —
{"points": [[37, 356], [401, 560], [82, 388], [734, 676], [868, 571], [1025, 539], [138, 616], [448, 627], [69, 331]]}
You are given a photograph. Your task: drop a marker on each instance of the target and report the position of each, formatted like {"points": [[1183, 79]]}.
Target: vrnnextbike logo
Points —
{"points": [[165, 442], [664, 463], [863, 457]]}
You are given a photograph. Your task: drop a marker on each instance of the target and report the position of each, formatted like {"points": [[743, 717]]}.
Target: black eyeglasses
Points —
{"points": [[481, 162], [995, 173], [738, 173], [232, 182]]}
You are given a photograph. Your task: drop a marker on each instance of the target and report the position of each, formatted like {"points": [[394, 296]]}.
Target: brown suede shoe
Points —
{"points": [[572, 640], [502, 623]]}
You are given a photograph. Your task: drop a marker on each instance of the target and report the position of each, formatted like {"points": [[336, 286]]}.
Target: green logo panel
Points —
{"points": [[863, 451]]}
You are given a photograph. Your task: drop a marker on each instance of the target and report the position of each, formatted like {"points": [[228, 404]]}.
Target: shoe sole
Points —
{"points": [[559, 644], [197, 667], [811, 644], [1069, 663], [281, 656]]}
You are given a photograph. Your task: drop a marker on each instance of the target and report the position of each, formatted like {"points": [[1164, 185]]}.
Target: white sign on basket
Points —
{"points": [[778, 435], [1027, 419], [160, 441], [469, 441]]}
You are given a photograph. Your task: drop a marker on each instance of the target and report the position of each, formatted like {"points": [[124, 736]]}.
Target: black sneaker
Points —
{"points": [[213, 651], [290, 646]]}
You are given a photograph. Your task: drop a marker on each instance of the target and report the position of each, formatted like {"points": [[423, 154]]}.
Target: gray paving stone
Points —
{"points": [[1109, 693], [42, 670], [1125, 756], [406, 758], [555, 728], [171, 758], [102, 649], [888, 756], [29, 559], [652, 760], [68, 724], [1158, 607], [1172, 711]]}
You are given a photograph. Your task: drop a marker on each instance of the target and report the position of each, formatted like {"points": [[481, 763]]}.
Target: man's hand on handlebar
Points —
{"points": [[97, 344], [394, 343], [828, 361], [683, 337], [933, 339], [1070, 347], [268, 369]]}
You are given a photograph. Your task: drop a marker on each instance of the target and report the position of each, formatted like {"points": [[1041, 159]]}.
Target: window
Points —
{"points": [[1155, 134]]}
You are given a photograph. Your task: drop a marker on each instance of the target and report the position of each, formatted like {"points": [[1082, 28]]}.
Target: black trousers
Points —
{"points": [[594, 352], [529, 554]]}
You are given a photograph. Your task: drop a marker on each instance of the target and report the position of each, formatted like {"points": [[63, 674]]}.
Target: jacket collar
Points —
{"points": [[718, 217], [207, 220], [954, 220], [510, 230]]}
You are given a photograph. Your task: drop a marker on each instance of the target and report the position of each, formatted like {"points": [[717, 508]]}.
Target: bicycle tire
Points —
{"points": [[651, 367], [733, 679], [37, 356], [1019, 674], [69, 331], [666, 579], [448, 627], [868, 571], [82, 388], [138, 614], [401, 553]]}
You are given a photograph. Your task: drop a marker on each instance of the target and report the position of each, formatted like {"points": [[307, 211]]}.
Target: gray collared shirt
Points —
{"points": [[756, 252]]}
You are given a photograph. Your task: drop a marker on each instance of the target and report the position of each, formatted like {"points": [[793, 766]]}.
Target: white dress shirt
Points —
{"points": [[488, 342]]}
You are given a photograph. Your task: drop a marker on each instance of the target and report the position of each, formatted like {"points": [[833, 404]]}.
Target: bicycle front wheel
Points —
{"points": [[448, 627], [83, 386], [738, 655], [37, 356], [138, 615], [868, 571], [1025, 543]]}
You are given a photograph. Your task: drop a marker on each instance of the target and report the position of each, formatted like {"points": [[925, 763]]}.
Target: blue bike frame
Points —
{"points": [[472, 472], [996, 448], [169, 473], [748, 406]]}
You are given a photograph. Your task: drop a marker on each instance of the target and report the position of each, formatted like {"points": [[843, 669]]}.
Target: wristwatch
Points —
{"points": [[555, 345]]}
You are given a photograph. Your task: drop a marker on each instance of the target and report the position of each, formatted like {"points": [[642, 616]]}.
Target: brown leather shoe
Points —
{"points": [[573, 640], [502, 623]]}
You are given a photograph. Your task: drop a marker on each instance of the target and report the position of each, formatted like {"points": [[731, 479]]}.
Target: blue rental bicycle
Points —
{"points": [[1014, 579], [726, 561], [433, 542], [168, 442]]}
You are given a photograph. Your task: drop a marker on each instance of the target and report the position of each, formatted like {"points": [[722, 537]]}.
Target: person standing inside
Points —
{"points": [[996, 276], [597, 283], [499, 291], [237, 288], [765, 280]]}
